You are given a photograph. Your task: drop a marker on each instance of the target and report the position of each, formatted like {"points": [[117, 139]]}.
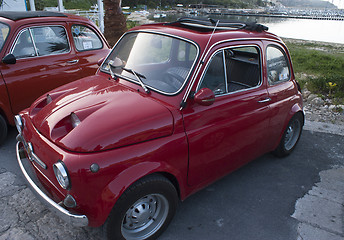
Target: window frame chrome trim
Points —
{"points": [[33, 42]]}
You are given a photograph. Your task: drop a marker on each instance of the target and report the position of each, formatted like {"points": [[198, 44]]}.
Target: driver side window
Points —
{"points": [[233, 69], [23, 47], [214, 78]]}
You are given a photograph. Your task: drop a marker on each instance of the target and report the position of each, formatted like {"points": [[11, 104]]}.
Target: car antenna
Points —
{"points": [[211, 36], [183, 103]]}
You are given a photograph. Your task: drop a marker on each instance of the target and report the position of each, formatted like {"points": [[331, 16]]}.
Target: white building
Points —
{"points": [[13, 5]]}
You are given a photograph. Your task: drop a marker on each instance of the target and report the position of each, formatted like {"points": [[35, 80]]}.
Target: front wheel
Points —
{"points": [[143, 211], [290, 136]]}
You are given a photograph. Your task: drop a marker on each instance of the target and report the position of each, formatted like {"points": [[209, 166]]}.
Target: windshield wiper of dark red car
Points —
{"points": [[138, 77]]}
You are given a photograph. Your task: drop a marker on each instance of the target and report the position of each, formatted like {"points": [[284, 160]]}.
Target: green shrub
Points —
{"points": [[323, 64]]}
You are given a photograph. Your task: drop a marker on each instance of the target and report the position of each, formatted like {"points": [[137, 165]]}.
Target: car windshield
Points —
{"points": [[164, 61], [4, 31]]}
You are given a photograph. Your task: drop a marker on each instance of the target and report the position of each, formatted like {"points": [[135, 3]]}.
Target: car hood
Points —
{"points": [[110, 116]]}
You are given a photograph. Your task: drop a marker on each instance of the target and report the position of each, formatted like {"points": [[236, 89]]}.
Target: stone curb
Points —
{"points": [[324, 127]]}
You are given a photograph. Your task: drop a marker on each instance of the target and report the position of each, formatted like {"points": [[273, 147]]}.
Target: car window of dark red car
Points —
{"points": [[85, 38], [24, 47], [277, 65], [50, 40], [41, 41]]}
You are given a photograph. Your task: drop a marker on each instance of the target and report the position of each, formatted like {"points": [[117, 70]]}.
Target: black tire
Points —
{"points": [[143, 211], [3, 129], [290, 136]]}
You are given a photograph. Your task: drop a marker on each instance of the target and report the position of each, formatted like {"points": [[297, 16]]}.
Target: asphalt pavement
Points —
{"points": [[300, 197]]}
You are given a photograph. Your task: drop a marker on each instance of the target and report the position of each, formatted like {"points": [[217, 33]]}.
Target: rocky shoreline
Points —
{"points": [[319, 110]]}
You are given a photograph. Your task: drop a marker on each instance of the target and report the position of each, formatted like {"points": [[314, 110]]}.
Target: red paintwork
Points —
{"points": [[131, 134], [29, 78]]}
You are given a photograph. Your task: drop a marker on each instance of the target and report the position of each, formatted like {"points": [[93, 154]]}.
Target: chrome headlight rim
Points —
{"points": [[62, 175], [18, 120]]}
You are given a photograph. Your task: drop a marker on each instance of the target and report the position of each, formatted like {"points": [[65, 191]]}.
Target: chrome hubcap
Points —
{"points": [[145, 217], [292, 134]]}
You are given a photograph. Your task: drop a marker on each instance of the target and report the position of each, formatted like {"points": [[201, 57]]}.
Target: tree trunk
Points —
{"points": [[115, 23]]}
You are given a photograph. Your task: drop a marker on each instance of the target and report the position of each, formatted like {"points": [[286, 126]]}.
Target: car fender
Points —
{"points": [[296, 108], [126, 178]]}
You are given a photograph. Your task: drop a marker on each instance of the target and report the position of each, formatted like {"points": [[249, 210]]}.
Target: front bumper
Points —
{"points": [[73, 219]]}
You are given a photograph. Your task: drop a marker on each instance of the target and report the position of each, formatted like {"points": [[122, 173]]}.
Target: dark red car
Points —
{"points": [[174, 107], [41, 51]]}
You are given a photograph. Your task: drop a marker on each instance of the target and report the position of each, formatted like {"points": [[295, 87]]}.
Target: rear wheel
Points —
{"points": [[143, 211], [3, 129], [290, 136]]}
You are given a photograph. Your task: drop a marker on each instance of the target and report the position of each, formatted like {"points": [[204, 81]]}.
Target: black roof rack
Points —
{"points": [[209, 23], [17, 15]]}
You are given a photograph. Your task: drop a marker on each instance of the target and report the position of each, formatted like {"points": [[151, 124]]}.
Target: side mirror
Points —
{"points": [[100, 61], [9, 59], [205, 97]]}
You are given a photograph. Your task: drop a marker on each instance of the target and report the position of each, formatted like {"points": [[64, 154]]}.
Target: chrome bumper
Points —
{"points": [[64, 214]]}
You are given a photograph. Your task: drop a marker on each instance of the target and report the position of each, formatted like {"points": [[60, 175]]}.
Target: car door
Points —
{"points": [[231, 131], [44, 61], [90, 47], [280, 88]]}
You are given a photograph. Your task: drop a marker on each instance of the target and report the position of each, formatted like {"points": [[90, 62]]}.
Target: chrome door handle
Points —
{"points": [[73, 61], [265, 100]]}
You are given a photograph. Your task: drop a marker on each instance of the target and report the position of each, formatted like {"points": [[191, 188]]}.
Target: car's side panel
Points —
{"points": [[227, 134], [5, 105]]}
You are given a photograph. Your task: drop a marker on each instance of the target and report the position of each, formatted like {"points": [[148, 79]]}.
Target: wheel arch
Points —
{"points": [[295, 109], [114, 190]]}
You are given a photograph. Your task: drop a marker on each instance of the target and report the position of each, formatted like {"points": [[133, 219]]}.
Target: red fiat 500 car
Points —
{"points": [[173, 107], [41, 51]]}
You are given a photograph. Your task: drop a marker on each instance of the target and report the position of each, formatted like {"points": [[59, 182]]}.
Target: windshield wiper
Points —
{"points": [[138, 77]]}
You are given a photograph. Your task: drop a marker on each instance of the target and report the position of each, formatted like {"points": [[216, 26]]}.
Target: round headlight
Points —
{"points": [[19, 123], [61, 174]]}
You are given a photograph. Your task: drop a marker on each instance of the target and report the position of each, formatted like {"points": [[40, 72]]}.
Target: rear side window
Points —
{"points": [[232, 70], [277, 65], [41, 41], [85, 38]]}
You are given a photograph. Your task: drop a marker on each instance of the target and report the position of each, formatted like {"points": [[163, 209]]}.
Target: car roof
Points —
{"points": [[13, 17], [200, 30], [17, 15]]}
